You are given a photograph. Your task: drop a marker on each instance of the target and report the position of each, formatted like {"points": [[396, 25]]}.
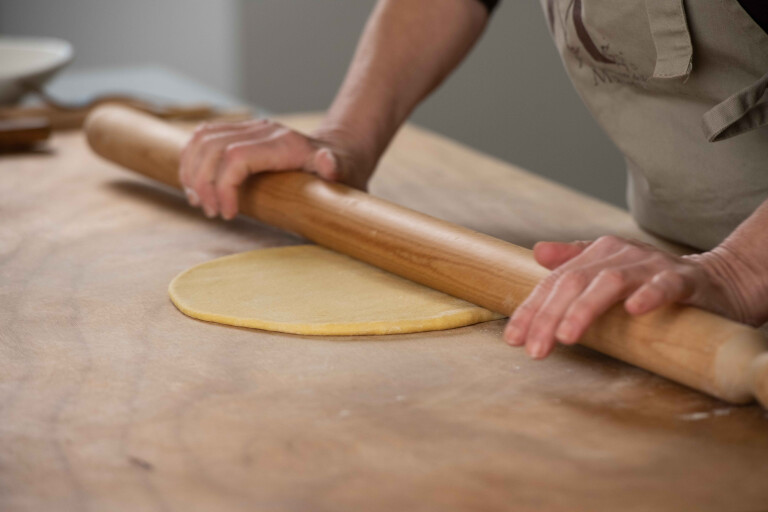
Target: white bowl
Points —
{"points": [[29, 61]]}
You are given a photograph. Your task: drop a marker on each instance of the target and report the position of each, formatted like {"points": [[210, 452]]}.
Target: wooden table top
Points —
{"points": [[110, 399]]}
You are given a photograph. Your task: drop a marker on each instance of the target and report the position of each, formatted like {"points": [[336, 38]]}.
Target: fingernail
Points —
{"points": [[192, 196], [209, 212], [565, 332]]}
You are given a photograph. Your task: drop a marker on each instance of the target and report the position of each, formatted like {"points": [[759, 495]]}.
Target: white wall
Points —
{"points": [[196, 37]]}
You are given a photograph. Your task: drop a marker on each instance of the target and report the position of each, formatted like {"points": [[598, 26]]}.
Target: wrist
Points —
{"points": [[743, 279]]}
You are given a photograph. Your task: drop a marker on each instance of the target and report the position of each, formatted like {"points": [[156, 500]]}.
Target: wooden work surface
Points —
{"points": [[110, 399]]}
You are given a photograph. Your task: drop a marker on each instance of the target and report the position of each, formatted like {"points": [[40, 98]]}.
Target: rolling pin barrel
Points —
{"points": [[702, 350]]}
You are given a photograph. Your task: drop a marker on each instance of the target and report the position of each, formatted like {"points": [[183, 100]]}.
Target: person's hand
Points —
{"points": [[221, 156], [590, 277]]}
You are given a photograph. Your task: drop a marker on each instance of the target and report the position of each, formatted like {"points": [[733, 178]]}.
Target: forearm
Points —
{"points": [[406, 50]]}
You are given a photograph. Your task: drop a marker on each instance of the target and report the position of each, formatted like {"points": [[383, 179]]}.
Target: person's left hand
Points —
{"points": [[590, 277]]}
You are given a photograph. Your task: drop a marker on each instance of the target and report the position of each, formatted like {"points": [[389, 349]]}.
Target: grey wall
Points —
{"points": [[511, 98], [196, 37]]}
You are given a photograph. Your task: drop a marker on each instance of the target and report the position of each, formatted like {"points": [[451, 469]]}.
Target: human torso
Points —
{"points": [[649, 70]]}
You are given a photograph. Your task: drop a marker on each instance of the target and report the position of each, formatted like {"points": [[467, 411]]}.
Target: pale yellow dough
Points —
{"points": [[306, 289]]}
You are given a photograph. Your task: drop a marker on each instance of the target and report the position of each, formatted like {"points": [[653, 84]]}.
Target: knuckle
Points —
{"points": [[669, 278], [202, 130], [612, 277], [524, 310], [260, 125], [254, 129], [232, 153], [650, 294], [552, 278], [632, 251], [234, 167], [654, 291], [573, 279], [220, 185], [228, 179], [644, 245], [201, 182], [668, 275], [543, 319], [580, 314], [287, 135], [658, 258], [209, 139], [608, 241]]}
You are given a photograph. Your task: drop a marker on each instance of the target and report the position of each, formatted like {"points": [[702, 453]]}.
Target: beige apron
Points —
{"points": [[677, 85]]}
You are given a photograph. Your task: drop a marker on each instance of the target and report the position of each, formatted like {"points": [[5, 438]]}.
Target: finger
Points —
{"points": [[664, 288], [186, 172], [620, 265], [517, 327], [553, 254], [614, 283], [541, 336], [209, 160], [192, 198], [190, 153], [610, 286], [591, 260], [203, 130], [280, 152]]}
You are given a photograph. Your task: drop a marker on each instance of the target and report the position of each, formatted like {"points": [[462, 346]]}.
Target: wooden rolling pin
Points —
{"points": [[62, 117], [693, 347], [23, 133]]}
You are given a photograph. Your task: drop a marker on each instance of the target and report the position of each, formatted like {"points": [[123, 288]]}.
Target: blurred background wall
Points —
{"points": [[511, 98], [197, 37]]}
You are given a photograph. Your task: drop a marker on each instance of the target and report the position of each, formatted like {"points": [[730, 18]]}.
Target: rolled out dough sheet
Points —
{"points": [[307, 289]]}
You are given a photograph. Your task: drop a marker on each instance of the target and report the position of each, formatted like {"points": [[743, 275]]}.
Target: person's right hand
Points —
{"points": [[220, 156]]}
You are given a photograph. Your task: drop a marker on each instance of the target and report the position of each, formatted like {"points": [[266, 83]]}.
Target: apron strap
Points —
{"points": [[742, 112], [674, 51]]}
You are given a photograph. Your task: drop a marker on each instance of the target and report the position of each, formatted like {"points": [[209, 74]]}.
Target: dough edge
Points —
{"points": [[444, 321]]}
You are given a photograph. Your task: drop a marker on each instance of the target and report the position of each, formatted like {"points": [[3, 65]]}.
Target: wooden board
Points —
{"points": [[110, 399]]}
